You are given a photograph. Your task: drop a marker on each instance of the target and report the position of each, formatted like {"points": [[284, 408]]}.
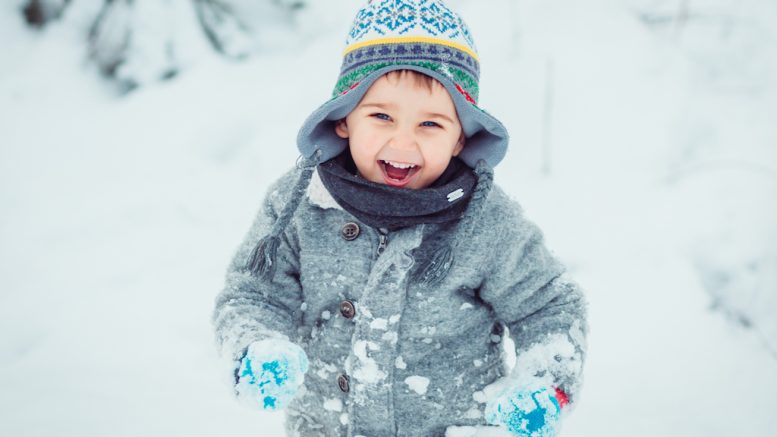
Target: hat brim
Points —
{"points": [[486, 137]]}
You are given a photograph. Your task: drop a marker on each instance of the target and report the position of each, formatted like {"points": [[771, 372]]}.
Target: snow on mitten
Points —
{"points": [[527, 411], [270, 374]]}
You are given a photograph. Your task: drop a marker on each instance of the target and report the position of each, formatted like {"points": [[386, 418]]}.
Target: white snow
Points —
{"points": [[390, 336], [466, 306], [366, 370], [428, 330], [399, 362], [333, 405], [555, 355], [418, 384], [379, 323], [325, 369], [365, 312], [642, 143]]}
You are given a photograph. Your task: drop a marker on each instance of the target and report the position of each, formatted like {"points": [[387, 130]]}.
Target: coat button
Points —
{"points": [[347, 309], [496, 332], [350, 231], [342, 382]]}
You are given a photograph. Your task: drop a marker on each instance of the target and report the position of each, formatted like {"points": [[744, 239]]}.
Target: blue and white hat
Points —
{"points": [[421, 35]]}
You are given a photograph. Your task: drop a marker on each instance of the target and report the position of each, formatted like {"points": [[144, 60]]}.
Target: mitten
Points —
{"points": [[527, 411], [270, 374]]}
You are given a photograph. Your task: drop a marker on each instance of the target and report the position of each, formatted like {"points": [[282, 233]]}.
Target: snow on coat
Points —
{"points": [[388, 355]]}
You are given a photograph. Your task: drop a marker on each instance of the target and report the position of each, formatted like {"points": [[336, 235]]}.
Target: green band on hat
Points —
{"points": [[467, 82]]}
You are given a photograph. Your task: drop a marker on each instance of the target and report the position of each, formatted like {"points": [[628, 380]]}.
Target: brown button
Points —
{"points": [[350, 231], [343, 383], [347, 309], [496, 333]]}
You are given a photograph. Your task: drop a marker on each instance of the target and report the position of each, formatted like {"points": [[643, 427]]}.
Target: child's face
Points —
{"points": [[401, 121]]}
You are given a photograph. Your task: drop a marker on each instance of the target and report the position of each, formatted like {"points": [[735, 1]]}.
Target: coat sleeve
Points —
{"points": [[248, 308], [543, 309]]}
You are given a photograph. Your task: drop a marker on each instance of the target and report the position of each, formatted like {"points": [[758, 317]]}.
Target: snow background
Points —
{"points": [[119, 213]]}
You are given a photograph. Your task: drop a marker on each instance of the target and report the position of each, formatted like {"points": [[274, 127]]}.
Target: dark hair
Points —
{"points": [[419, 78]]}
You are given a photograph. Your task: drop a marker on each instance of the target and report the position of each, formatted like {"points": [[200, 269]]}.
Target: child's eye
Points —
{"points": [[430, 124], [381, 116]]}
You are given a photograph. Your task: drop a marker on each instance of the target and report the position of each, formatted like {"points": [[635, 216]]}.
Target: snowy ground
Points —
{"points": [[118, 215]]}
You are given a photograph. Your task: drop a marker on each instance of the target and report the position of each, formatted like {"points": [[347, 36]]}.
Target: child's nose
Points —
{"points": [[404, 140]]}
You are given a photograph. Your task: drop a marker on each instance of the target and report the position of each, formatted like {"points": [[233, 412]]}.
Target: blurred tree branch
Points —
{"points": [[39, 12], [135, 41], [225, 31], [109, 36]]}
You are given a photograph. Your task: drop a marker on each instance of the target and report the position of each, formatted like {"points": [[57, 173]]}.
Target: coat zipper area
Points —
{"points": [[382, 240]]}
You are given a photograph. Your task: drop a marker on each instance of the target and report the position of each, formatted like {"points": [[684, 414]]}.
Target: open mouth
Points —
{"points": [[398, 174]]}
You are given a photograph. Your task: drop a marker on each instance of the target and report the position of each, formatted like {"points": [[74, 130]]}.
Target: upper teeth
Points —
{"points": [[399, 164]]}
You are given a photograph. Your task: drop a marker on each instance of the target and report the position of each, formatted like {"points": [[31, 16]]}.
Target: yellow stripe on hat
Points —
{"points": [[411, 39]]}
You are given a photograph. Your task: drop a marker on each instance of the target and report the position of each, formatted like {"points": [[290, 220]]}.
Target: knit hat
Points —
{"points": [[387, 35], [421, 35]]}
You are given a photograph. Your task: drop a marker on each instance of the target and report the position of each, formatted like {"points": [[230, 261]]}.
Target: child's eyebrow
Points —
{"points": [[378, 105], [438, 115]]}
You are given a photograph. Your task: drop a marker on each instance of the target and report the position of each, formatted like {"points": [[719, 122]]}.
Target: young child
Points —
{"points": [[371, 295]]}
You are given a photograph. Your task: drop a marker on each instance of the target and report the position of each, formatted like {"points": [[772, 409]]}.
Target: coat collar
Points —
{"points": [[318, 194]]}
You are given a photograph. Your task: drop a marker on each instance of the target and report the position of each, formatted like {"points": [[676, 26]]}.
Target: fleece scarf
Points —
{"points": [[383, 206]]}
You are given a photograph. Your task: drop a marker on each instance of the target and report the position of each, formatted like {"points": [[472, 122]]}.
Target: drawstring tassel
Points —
{"points": [[440, 263], [262, 260], [261, 263]]}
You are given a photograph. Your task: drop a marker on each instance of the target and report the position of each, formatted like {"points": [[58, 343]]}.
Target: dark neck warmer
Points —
{"points": [[383, 206], [425, 207]]}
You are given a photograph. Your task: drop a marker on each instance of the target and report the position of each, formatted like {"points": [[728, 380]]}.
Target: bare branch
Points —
{"points": [[38, 13]]}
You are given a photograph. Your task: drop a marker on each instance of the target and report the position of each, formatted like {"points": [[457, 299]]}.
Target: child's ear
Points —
{"points": [[341, 128], [459, 144]]}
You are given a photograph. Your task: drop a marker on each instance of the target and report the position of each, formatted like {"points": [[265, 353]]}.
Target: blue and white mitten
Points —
{"points": [[527, 411], [270, 374]]}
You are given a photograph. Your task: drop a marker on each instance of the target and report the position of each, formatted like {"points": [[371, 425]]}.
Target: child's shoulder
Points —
{"points": [[504, 216], [285, 182], [279, 190], [500, 206]]}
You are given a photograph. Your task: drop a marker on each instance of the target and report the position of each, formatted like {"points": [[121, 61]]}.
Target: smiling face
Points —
{"points": [[404, 131]]}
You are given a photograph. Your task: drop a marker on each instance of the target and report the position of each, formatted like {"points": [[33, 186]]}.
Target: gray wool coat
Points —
{"points": [[389, 356]]}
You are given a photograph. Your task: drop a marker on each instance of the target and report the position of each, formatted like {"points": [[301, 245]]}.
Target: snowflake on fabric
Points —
{"points": [[466, 34], [382, 18], [362, 23], [438, 19], [395, 15]]}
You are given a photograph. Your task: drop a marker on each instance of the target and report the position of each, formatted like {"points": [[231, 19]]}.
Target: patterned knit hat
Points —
{"points": [[421, 35]]}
